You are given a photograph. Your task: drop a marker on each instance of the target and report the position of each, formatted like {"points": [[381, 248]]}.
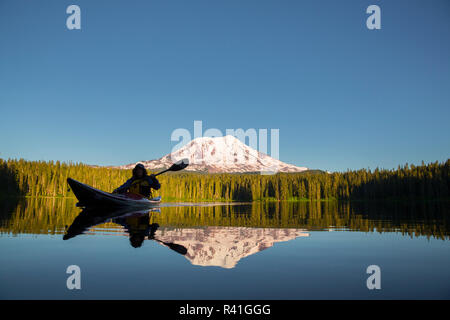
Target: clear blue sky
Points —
{"points": [[112, 93]]}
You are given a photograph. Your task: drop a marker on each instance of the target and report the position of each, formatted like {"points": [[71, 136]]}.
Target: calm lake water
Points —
{"points": [[217, 251]]}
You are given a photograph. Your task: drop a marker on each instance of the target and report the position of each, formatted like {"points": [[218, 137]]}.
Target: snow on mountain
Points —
{"points": [[225, 246], [220, 154]]}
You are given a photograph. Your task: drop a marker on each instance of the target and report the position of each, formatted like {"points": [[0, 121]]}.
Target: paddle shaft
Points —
{"points": [[175, 247], [175, 167], [162, 172]]}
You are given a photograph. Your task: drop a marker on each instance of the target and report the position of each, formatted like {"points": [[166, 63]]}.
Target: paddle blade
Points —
{"points": [[177, 248], [179, 165]]}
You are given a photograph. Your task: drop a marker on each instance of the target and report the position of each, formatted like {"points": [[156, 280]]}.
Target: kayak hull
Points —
{"points": [[91, 197]]}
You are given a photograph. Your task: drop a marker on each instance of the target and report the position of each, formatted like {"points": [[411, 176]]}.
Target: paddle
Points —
{"points": [[177, 166], [175, 247]]}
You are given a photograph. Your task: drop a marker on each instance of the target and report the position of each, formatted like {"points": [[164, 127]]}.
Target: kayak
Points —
{"points": [[91, 197]]}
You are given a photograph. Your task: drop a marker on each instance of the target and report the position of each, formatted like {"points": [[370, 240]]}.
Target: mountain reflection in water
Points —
{"points": [[205, 246], [225, 246]]}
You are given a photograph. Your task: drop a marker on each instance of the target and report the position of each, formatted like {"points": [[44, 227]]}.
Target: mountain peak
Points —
{"points": [[225, 154]]}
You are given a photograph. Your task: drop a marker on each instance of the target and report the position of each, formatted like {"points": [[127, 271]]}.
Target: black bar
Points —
{"points": [[228, 309]]}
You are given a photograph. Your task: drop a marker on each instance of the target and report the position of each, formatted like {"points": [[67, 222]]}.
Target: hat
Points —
{"points": [[140, 165]]}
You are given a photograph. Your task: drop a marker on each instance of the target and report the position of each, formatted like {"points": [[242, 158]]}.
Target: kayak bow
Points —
{"points": [[91, 197]]}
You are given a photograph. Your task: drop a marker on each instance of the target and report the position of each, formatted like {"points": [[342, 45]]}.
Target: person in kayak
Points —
{"points": [[140, 183]]}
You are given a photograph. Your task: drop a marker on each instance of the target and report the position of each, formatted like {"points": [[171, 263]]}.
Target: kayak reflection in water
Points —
{"points": [[140, 183], [137, 225]]}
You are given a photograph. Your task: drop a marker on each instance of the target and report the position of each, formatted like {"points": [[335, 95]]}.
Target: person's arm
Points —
{"points": [[154, 183], [123, 187]]}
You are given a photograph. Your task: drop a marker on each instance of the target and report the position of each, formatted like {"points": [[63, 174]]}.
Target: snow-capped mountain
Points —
{"points": [[220, 154], [225, 246]]}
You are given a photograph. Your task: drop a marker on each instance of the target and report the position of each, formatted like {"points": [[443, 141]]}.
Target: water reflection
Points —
{"points": [[138, 221], [206, 246], [53, 216], [225, 246], [253, 239], [136, 224]]}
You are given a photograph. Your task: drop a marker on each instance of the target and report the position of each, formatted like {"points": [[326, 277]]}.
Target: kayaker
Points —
{"points": [[140, 183]]}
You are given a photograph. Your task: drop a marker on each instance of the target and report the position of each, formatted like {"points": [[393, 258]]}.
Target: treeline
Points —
{"points": [[52, 215], [48, 179]]}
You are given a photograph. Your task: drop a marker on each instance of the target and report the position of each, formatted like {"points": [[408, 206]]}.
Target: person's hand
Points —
{"points": [[153, 176]]}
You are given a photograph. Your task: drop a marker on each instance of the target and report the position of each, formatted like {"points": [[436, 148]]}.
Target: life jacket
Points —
{"points": [[140, 187]]}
